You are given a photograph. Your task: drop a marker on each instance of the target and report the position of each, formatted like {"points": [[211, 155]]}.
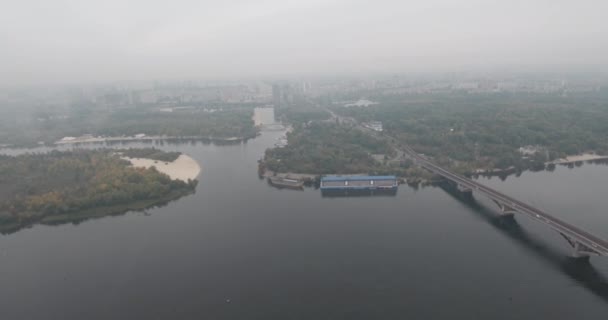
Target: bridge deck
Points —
{"points": [[592, 242]]}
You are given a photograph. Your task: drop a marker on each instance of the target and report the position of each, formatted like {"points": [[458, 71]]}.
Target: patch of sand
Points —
{"points": [[581, 157], [183, 168]]}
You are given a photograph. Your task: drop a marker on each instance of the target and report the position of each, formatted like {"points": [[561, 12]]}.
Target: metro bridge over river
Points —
{"points": [[583, 243]]}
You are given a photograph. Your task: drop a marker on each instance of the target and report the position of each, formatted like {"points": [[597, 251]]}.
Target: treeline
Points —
{"points": [[36, 187], [329, 149], [221, 124], [150, 153], [127, 122], [302, 114], [486, 130]]}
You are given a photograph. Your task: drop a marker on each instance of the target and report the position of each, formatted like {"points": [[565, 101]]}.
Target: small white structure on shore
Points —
{"points": [[374, 125], [281, 142], [360, 103], [530, 150]]}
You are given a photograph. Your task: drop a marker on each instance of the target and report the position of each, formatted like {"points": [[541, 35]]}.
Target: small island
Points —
{"points": [[72, 186]]}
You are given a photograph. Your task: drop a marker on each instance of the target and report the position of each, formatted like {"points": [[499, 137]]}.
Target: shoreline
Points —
{"points": [[292, 175], [96, 212], [79, 140], [414, 180], [183, 168], [578, 158]]}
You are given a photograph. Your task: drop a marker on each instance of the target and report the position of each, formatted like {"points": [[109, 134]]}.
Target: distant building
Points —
{"points": [[374, 125], [277, 95], [361, 103], [263, 116], [282, 95], [531, 150], [148, 97], [358, 182]]}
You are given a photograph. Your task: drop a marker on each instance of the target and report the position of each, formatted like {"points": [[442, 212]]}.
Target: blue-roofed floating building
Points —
{"points": [[358, 182]]}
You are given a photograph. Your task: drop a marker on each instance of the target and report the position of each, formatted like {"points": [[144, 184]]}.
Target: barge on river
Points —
{"points": [[286, 182], [359, 183]]}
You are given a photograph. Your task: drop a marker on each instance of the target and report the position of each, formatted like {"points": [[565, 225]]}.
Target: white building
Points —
{"points": [[374, 125], [263, 116]]}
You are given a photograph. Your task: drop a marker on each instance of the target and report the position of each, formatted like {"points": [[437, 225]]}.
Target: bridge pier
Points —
{"points": [[458, 188], [463, 189], [583, 243], [505, 210], [579, 250]]}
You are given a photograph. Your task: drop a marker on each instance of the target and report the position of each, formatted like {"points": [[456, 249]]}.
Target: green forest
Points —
{"points": [[467, 131], [302, 114], [324, 148], [47, 127], [69, 186]]}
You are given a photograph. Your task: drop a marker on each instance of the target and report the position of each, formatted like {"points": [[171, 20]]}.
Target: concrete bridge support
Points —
{"points": [[579, 250], [465, 190], [505, 210], [582, 242]]}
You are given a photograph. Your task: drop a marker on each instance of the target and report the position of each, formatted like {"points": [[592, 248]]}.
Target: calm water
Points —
{"points": [[240, 249]]}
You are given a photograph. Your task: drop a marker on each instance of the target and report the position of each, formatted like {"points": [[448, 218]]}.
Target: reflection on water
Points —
{"points": [[359, 193], [580, 270], [275, 254]]}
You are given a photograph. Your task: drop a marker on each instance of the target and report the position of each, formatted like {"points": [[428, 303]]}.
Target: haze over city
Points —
{"points": [[67, 41], [319, 159]]}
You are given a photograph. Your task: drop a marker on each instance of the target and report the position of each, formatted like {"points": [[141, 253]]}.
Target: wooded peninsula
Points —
{"points": [[71, 186], [46, 127]]}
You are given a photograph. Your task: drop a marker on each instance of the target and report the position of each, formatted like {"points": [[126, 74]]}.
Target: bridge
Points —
{"points": [[583, 243]]}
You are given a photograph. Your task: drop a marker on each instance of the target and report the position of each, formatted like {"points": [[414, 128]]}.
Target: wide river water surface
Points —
{"points": [[241, 249]]}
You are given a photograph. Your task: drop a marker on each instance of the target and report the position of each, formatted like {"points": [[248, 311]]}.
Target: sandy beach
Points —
{"points": [[580, 157], [183, 168]]}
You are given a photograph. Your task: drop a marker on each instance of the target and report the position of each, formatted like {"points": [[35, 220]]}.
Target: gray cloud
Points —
{"points": [[71, 41]]}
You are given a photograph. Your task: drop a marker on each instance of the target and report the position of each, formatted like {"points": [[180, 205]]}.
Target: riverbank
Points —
{"points": [[79, 184], [143, 138], [184, 168], [312, 178], [96, 212], [577, 158], [290, 175]]}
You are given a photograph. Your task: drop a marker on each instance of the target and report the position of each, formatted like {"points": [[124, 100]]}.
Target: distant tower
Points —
{"points": [[287, 94], [277, 95]]}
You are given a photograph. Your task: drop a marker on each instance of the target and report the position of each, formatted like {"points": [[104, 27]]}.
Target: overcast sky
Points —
{"points": [[82, 41]]}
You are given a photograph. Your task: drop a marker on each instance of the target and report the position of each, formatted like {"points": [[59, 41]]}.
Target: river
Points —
{"points": [[241, 249]]}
